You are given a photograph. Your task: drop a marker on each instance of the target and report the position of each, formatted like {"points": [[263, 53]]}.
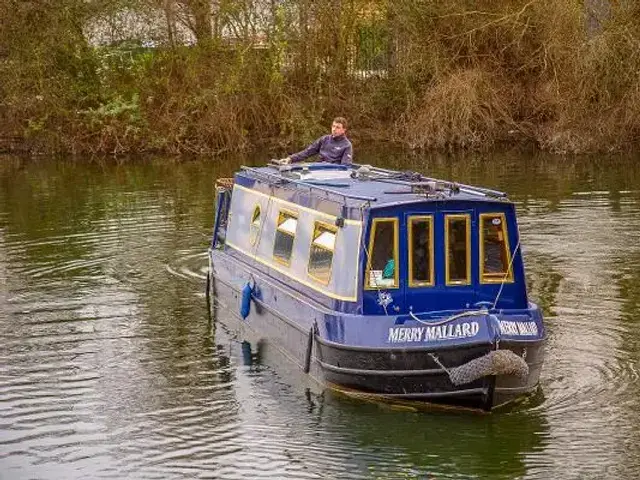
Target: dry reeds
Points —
{"points": [[444, 75], [467, 109]]}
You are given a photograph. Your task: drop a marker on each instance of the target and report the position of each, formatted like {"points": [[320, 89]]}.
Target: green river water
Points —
{"points": [[110, 367]]}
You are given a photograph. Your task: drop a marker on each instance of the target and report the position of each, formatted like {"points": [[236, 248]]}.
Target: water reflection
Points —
{"points": [[110, 367]]}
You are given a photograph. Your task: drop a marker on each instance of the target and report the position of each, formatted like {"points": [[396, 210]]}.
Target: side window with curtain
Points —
{"points": [[458, 254], [285, 235], [323, 245], [382, 261], [495, 256]]}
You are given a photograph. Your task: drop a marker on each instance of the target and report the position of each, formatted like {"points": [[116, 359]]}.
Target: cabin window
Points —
{"points": [[458, 241], [285, 235], [421, 251], [321, 253], [382, 261], [495, 257], [254, 227]]}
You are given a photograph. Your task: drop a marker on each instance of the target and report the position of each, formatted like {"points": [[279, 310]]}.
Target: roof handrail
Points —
{"points": [[472, 189], [311, 186]]}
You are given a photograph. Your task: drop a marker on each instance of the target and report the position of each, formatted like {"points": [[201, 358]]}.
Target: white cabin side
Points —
{"points": [[315, 235]]}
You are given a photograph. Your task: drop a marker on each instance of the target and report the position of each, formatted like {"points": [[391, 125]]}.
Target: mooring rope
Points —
{"points": [[451, 318], [437, 360], [504, 278], [254, 253]]}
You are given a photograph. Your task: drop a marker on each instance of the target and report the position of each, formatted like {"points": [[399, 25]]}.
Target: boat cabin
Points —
{"points": [[372, 241]]}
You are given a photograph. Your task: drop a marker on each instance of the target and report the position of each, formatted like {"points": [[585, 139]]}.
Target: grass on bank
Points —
{"points": [[460, 74]]}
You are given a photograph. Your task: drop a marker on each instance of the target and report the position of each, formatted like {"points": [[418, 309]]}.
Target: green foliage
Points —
{"points": [[463, 73], [117, 108]]}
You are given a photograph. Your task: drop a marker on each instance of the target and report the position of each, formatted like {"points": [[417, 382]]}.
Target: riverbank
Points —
{"points": [[444, 77]]}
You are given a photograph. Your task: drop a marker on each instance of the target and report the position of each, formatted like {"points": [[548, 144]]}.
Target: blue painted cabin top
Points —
{"points": [[317, 185], [364, 240]]}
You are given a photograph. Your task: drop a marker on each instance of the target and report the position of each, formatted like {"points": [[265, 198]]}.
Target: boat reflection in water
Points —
{"points": [[379, 283], [379, 439]]}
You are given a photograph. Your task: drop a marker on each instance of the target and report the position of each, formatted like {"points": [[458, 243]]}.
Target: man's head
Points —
{"points": [[338, 126]]}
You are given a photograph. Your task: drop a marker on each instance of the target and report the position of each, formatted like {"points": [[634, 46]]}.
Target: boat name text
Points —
{"points": [[529, 329], [435, 333]]}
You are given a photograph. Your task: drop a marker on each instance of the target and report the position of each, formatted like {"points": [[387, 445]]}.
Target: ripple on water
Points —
{"points": [[110, 367], [190, 265]]}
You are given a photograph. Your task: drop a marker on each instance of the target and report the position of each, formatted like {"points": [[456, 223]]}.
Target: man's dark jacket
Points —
{"points": [[331, 149]]}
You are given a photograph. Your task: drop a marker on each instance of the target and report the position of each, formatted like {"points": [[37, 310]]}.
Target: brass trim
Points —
{"points": [[415, 219], [289, 214], [332, 228], [287, 273], [277, 267], [507, 277], [396, 249], [256, 210], [467, 219]]}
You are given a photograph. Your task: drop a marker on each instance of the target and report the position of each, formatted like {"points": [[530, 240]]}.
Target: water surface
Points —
{"points": [[110, 367]]}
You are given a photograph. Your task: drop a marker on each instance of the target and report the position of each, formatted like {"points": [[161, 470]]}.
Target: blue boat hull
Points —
{"points": [[324, 346]]}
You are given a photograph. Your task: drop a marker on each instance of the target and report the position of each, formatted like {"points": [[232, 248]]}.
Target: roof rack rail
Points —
{"points": [[471, 189], [280, 179]]}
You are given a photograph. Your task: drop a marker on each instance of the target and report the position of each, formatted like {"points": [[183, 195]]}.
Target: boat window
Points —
{"points": [[421, 251], [254, 227], [382, 261], [285, 235], [495, 256], [321, 254], [458, 260]]}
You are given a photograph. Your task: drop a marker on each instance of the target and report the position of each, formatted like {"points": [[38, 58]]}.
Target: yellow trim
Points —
{"points": [[281, 214], [332, 218], [313, 286], [332, 228], [288, 273], [499, 277], [396, 242], [257, 209], [415, 219], [467, 219]]}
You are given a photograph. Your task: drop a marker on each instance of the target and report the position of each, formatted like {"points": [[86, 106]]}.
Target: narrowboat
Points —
{"points": [[378, 282]]}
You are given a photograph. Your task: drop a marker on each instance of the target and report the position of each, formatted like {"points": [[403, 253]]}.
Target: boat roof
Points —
{"points": [[365, 184]]}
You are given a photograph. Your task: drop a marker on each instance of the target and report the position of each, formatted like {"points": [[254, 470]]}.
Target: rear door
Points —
{"points": [[440, 272], [421, 248], [457, 259]]}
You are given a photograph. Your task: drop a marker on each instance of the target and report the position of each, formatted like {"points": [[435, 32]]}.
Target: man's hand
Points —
{"points": [[280, 161]]}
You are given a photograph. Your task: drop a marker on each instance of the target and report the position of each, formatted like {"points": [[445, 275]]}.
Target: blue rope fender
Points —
{"points": [[245, 304]]}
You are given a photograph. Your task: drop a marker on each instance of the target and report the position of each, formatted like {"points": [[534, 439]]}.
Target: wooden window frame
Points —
{"points": [[467, 218], [506, 277], [431, 251], [332, 228], [396, 253]]}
